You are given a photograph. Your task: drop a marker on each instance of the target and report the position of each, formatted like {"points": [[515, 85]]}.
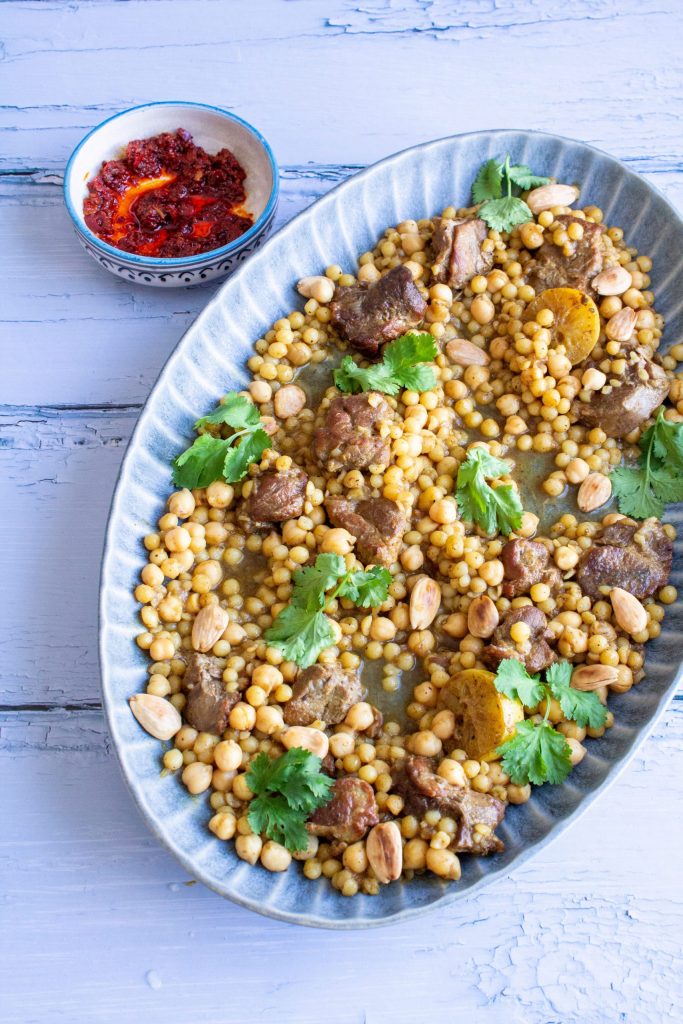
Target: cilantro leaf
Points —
{"points": [[301, 634], [524, 178], [367, 589], [504, 214], [494, 509], [286, 791], [240, 456], [643, 491], [202, 463], [584, 708], [399, 367], [236, 410], [488, 182], [311, 582], [536, 753], [514, 681]]}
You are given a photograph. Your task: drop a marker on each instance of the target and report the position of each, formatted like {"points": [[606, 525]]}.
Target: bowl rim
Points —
{"points": [[150, 818], [175, 261]]}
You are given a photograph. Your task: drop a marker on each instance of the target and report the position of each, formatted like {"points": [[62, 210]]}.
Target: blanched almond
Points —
{"points": [[385, 852], [156, 715], [613, 281], [425, 601], [289, 401], [314, 740], [595, 490], [548, 196], [620, 327], [466, 353], [319, 288], [628, 611], [482, 617], [593, 677], [208, 627]]}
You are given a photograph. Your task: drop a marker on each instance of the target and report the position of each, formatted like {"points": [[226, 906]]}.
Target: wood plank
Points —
{"points": [[354, 54], [109, 923]]}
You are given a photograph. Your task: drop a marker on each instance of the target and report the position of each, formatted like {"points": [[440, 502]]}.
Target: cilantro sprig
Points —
{"points": [[495, 509], [644, 490], [214, 458], [287, 790], [537, 752], [494, 187], [302, 629], [399, 367]]}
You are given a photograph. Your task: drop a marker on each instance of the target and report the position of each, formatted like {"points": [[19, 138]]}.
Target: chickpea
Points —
{"points": [[443, 724], [267, 677], [248, 848], [275, 857], [482, 309], [415, 854], [181, 503], [228, 755], [342, 744], [578, 751], [223, 825], [219, 494], [197, 777], [338, 542], [242, 717], [576, 471], [355, 858], [162, 649], [443, 863], [360, 716], [453, 772], [425, 743]]}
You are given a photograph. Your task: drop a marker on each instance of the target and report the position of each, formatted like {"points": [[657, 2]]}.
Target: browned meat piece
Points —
{"points": [[526, 562], [423, 790], [351, 812], [367, 315], [536, 654], [552, 269], [634, 556], [349, 438], [208, 705], [457, 251], [378, 525], [620, 408], [324, 692], [276, 496]]}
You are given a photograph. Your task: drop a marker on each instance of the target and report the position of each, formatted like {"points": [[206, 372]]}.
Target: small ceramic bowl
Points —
{"points": [[212, 128]]}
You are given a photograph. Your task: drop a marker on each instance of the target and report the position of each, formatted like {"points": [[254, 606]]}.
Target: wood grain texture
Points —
{"points": [[100, 924]]}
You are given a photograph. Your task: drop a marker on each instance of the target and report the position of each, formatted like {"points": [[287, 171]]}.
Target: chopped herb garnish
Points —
{"points": [[287, 790], [495, 186], [643, 491], [537, 752], [495, 509], [399, 367], [214, 458], [302, 629]]}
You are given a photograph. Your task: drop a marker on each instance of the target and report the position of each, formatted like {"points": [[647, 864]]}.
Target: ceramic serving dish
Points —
{"points": [[210, 360], [212, 128]]}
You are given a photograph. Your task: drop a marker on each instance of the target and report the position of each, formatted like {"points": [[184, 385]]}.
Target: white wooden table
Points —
{"points": [[98, 923]]}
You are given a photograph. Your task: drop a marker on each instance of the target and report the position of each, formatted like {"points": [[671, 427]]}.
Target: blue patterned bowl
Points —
{"points": [[210, 360], [212, 128]]}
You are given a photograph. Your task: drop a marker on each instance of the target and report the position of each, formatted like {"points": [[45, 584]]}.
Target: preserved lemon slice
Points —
{"points": [[484, 718], [576, 324]]}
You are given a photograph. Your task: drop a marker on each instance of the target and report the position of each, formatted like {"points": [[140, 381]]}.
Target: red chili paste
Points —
{"points": [[167, 197]]}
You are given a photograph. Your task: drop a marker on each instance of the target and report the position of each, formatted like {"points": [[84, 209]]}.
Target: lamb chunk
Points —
{"points": [[275, 497], [348, 437], [526, 562], [351, 812], [422, 790], [208, 705], [552, 269], [634, 556], [536, 654], [378, 524], [367, 315], [324, 692], [621, 408], [457, 251]]}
